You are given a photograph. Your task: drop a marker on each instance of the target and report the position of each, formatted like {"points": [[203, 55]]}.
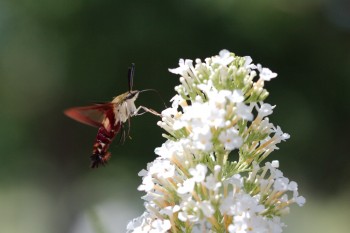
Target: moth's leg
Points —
{"points": [[122, 134], [145, 109], [129, 127]]}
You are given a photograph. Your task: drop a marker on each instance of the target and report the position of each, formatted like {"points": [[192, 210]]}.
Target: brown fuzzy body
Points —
{"points": [[104, 138]]}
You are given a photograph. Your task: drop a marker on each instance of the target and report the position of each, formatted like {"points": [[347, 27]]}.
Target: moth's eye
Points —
{"points": [[131, 95]]}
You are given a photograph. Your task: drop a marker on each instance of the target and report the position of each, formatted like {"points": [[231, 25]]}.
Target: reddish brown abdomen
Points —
{"points": [[105, 136]]}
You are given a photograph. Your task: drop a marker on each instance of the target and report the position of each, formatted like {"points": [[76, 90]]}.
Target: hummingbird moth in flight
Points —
{"points": [[109, 119]]}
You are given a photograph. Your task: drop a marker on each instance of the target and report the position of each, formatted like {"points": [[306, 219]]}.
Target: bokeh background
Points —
{"points": [[58, 54]]}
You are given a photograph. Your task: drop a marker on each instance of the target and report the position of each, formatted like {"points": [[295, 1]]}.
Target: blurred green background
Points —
{"points": [[59, 54]]}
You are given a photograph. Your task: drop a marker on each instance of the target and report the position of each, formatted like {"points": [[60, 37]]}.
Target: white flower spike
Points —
{"points": [[209, 176]]}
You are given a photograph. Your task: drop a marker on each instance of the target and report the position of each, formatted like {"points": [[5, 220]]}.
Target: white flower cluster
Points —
{"points": [[207, 176]]}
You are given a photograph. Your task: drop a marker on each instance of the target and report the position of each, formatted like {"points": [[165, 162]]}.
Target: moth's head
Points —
{"points": [[132, 95], [127, 96]]}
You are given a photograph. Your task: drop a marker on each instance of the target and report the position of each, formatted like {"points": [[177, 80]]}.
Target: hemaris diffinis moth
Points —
{"points": [[109, 119]]}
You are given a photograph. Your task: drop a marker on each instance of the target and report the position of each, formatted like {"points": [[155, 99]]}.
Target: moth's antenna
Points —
{"points": [[154, 90], [131, 72]]}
